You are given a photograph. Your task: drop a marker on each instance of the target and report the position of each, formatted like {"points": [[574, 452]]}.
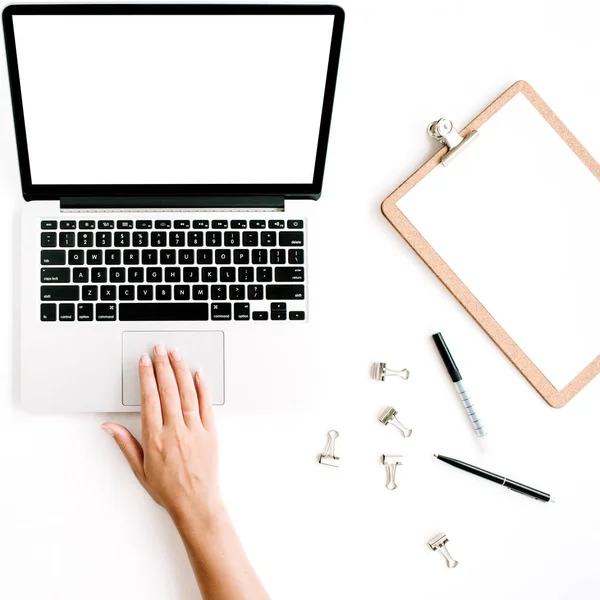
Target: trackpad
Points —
{"points": [[201, 350]]}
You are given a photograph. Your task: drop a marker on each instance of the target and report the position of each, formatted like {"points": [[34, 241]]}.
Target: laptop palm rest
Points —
{"points": [[202, 350]]}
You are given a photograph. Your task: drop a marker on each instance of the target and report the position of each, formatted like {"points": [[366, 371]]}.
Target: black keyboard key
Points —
{"points": [[191, 274], [195, 239], [220, 224], [236, 224], [85, 239], [145, 292], [227, 274], [89, 292], [209, 274], [278, 311], [200, 292], [176, 238], [214, 238], [250, 238], [241, 311], [81, 275], [124, 224], [149, 257], [200, 224], [56, 275], [246, 274], [163, 292], [140, 239], [48, 239], [182, 292], [255, 292], [158, 238], [126, 293], [93, 257], [112, 257], [220, 311], [237, 292], [99, 275], [278, 224], [204, 257], [185, 257], [232, 238], [297, 315], [131, 257], [154, 274], [285, 292], [87, 225], [58, 293], [295, 224], [68, 224], [162, 224], [173, 274], [66, 312], [259, 257], [143, 224], [291, 238], [218, 292], [241, 257], [108, 292], [260, 315], [85, 312], [107, 312], [182, 224], [49, 224], [106, 224], [289, 274], [53, 257], [264, 274], [268, 238], [174, 311], [296, 256], [223, 257], [168, 257], [135, 274], [257, 224], [104, 239], [277, 256], [76, 257], [117, 275], [48, 312], [66, 239], [122, 239]]}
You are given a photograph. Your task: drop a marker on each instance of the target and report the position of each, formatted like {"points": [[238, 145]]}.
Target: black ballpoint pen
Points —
{"points": [[499, 479]]}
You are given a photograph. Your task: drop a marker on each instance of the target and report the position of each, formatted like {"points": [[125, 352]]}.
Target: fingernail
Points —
{"points": [[199, 375], [176, 354], [107, 430], [160, 349], [145, 360]]}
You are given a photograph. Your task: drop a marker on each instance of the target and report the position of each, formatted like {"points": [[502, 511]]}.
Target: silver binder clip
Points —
{"points": [[391, 463], [443, 131], [438, 542], [328, 457], [381, 371], [388, 417]]}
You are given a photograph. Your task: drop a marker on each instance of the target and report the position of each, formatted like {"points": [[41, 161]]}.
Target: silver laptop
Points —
{"points": [[159, 149]]}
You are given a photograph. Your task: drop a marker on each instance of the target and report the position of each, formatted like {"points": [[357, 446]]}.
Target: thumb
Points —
{"points": [[129, 446]]}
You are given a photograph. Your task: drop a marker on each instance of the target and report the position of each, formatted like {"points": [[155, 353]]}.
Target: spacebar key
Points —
{"points": [[171, 311]]}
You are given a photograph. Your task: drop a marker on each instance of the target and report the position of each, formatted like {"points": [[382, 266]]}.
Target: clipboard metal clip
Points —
{"points": [[443, 131]]}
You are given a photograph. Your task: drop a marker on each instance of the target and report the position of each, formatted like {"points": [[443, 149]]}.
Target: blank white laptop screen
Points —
{"points": [[172, 99]]}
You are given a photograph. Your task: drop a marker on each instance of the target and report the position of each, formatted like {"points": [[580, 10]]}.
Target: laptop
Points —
{"points": [[160, 148]]}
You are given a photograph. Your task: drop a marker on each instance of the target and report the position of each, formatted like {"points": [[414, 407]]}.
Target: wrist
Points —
{"points": [[194, 518]]}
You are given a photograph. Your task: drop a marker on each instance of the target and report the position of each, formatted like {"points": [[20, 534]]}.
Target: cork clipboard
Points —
{"points": [[565, 214]]}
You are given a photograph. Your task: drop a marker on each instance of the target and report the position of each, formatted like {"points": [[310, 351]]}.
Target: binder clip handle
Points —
{"points": [[443, 131], [328, 456]]}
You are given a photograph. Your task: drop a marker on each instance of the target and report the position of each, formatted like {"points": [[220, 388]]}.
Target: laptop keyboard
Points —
{"points": [[172, 270]]}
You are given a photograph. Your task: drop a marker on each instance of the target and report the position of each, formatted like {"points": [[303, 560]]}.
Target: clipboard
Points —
{"points": [[557, 373]]}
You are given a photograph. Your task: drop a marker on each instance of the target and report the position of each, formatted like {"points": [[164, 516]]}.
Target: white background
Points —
{"points": [[75, 524]]}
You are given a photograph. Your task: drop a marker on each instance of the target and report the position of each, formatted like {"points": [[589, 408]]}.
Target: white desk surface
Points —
{"points": [[75, 524]]}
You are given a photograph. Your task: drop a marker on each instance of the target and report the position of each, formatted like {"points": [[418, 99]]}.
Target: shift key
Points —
{"points": [[285, 292], [60, 292]]}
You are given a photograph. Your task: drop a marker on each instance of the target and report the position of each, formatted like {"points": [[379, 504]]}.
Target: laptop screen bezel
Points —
{"points": [[288, 190]]}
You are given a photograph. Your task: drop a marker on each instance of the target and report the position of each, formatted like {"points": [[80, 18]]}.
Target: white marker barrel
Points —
{"points": [[470, 408]]}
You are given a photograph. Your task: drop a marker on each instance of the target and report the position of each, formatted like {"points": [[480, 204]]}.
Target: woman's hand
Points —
{"points": [[176, 462]]}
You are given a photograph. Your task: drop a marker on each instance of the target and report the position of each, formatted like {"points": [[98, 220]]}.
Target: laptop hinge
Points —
{"points": [[166, 203]]}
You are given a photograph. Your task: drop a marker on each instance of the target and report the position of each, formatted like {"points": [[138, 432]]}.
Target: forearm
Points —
{"points": [[220, 564]]}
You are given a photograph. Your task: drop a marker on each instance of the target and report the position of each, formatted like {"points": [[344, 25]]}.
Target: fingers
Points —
{"points": [[167, 386], [130, 447], [152, 419], [204, 402], [187, 391]]}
